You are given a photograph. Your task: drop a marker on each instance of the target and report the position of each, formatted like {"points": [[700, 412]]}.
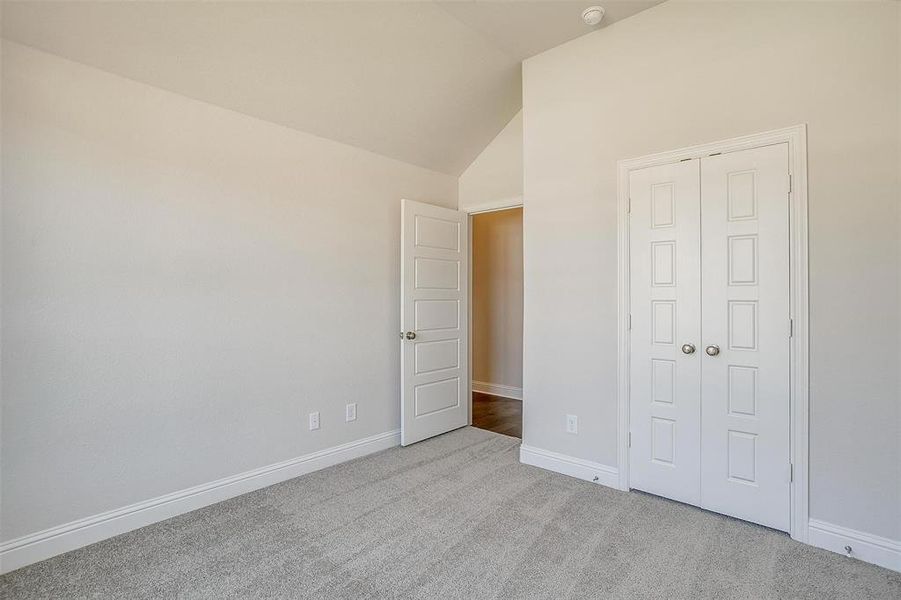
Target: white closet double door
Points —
{"points": [[710, 329]]}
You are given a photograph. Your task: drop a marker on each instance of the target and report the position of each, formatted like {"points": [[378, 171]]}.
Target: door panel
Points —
{"points": [[665, 292], [434, 369], [745, 298]]}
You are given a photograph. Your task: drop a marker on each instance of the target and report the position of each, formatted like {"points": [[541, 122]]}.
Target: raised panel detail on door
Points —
{"points": [[742, 325], [745, 297], [430, 315], [663, 322], [663, 441], [663, 271], [665, 295], [437, 233], [663, 208], [437, 396], [663, 380], [437, 274], [742, 448], [434, 320], [743, 260], [742, 391], [437, 356], [741, 195]]}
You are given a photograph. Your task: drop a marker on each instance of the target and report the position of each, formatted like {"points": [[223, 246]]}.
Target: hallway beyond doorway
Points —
{"points": [[497, 414]]}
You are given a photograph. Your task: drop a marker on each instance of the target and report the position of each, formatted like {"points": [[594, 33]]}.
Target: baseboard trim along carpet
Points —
{"points": [[63, 538], [497, 389], [569, 465], [864, 546]]}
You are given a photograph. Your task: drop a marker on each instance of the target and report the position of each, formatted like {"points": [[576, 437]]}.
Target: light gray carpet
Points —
{"points": [[453, 517]]}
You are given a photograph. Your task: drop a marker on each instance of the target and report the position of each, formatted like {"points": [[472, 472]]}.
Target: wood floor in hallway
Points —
{"points": [[497, 414]]}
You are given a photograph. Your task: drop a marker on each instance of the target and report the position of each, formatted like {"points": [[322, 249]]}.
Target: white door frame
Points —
{"points": [[505, 204], [799, 398]]}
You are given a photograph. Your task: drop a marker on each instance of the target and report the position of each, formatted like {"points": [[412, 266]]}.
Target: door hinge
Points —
{"points": [[791, 184], [630, 439], [791, 472], [629, 325], [791, 328], [629, 206]]}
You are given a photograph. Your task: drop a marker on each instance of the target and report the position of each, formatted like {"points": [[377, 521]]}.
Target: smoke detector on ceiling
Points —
{"points": [[593, 15]]}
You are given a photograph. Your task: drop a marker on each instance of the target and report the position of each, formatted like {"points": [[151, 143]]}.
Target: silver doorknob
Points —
{"points": [[712, 350], [688, 348], [410, 335]]}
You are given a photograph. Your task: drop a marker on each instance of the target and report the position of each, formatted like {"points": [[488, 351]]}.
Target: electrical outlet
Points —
{"points": [[314, 421], [572, 424], [350, 412]]}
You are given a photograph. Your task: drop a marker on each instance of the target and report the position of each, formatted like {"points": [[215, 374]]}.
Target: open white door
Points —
{"points": [[435, 320]]}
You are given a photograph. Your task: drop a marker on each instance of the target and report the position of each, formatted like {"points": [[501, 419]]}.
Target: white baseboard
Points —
{"points": [[496, 389], [864, 546], [568, 465], [63, 538]]}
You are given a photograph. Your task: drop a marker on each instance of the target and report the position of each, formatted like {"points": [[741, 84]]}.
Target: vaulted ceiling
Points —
{"points": [[428, 83]]}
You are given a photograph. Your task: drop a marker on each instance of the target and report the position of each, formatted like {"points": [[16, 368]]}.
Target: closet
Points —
{"points": [[709, 408]]}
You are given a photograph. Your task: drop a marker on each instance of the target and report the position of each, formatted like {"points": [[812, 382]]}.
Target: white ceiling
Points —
{"points": [[429, 83]]}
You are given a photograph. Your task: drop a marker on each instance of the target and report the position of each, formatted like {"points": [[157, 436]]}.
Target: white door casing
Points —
{"points": [[710, 416], [745, 389], [434, 320], [665, 315]]}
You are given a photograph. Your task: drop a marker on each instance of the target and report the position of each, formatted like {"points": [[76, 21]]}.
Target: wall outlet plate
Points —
{"points": [[350, 412], [572, 424], [314, 421]]}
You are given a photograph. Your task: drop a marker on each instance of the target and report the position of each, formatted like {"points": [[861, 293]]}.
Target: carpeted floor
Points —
{"points": [[453, 517]]}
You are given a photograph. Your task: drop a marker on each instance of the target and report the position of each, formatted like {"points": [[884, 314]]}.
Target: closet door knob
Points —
{"points": [[688, 348], [712, 350], [411, 335]]}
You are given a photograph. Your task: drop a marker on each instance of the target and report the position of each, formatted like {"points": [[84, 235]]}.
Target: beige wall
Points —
{"points": [[684, 73], [495, 176], [497, 298], [182, 285]]}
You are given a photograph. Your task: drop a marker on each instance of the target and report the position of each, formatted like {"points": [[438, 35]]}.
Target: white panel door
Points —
{"points": [[665, 316], [434, 319], [745, 470]]}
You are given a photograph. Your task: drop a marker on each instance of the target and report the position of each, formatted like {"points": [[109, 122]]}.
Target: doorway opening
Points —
{"points": [[497, 321]]}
